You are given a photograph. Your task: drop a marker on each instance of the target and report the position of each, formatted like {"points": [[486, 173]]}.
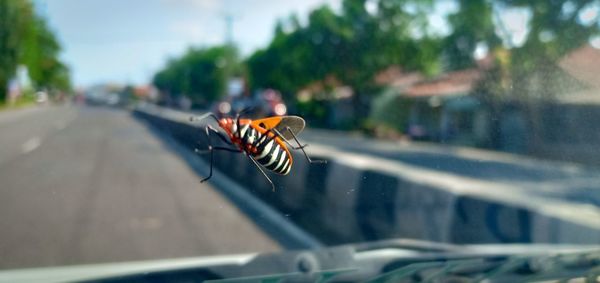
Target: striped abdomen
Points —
{"points": [[265, 149]]}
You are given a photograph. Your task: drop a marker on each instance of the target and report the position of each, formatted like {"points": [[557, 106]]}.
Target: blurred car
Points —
{"points": [[263, 103], [113, 99], [270, 103], [41, 97]]}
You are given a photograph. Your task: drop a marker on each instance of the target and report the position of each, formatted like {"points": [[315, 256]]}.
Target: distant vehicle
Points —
{"points": [[41, 97], [271, 103], [263, 103], [113, 99]]}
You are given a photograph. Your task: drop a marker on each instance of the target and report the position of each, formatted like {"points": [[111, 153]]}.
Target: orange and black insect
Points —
{"points": [[265, 141]]}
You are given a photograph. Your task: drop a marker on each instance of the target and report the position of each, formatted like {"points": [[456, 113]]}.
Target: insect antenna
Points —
{"points": [[245, 111]]}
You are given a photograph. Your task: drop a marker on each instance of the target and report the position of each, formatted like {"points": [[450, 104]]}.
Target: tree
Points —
{"points": [[471, 24], [351, 47], [15, 16], [200, 74], [40, 54], [528, 73], [26, 39]]}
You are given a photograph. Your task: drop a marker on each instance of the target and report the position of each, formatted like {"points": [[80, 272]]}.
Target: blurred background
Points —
{"points": [[473, 97]]}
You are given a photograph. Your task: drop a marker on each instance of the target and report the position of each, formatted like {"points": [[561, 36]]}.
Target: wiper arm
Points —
{"points": [[554, 265]]}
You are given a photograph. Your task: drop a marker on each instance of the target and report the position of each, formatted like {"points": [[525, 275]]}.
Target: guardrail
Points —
{"points": [[356, 197]]}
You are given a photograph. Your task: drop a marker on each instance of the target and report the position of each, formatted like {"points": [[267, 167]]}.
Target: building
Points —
{"points": [[570, 127], [439, 109]]}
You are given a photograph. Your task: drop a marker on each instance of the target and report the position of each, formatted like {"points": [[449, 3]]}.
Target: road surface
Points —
{"points": [[87, 185]]}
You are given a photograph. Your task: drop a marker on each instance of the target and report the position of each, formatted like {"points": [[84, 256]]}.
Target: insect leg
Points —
{"points": [[245, 110], [211, 165], [211, 149], [221, 136], [301, 147], [265, 140], [287, 142], [263, 172], [239, 128], [237, 119]]}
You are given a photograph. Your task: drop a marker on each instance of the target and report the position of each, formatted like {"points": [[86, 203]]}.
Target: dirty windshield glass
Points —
{"points": [[157, 131]]}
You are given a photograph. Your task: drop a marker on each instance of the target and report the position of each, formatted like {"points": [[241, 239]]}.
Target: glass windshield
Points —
{"points": [[151, 130]]}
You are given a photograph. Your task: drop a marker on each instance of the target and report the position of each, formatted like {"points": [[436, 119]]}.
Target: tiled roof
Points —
{"points": [[453, 83], [583, 64]]}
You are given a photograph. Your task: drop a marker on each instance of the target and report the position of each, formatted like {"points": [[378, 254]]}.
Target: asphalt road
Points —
{"points": [[88, 185]]}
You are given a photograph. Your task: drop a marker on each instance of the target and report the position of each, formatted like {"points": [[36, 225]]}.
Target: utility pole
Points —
{"points": [[228, 28]]}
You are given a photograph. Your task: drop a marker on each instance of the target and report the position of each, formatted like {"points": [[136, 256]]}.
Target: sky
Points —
{"points": [[128, 41]]}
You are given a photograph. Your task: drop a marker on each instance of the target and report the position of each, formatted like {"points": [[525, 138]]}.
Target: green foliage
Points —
{"points": [[552, 34], [25, 39], [200, 74], [472, 24], [40, 55], [351, 46], [391, 110], [27, 98], [347, 48], [14, 19], [529, 71]]}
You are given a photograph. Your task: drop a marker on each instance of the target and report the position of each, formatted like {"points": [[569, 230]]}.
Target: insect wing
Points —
{"points": [[280, 124], [295, 123]]}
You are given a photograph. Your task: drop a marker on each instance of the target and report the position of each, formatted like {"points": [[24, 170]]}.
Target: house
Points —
{"points": [[570, 127], [443, 109], [327, 104], [438, 109]]}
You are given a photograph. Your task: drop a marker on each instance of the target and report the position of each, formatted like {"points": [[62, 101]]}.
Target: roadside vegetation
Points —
{"points": [[27, 43], [350, 47]]}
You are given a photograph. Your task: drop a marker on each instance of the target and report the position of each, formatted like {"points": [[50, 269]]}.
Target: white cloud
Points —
{"points": [[204, 5], [513, 26], [187, 29]]}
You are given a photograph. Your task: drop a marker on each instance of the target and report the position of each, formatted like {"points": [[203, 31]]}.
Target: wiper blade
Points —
{"points": [[408, 244], [319, 276], [558, 266]]}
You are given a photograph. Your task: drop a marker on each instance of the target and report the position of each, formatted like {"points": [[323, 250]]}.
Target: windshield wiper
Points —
{"points": [[383, 261]]}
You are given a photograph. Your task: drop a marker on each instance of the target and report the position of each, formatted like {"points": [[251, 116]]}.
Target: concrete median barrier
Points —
{"points": [[358, 197]]}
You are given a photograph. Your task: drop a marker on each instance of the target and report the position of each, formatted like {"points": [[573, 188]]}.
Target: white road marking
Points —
{"points": [[60, 125], [31, 144]]}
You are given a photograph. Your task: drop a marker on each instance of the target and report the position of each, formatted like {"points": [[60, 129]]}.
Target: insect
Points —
{"points": [[265, 141]]}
